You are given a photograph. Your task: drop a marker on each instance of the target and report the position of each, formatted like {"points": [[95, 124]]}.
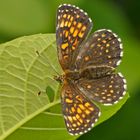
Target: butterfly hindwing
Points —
{"points": [[79, 112], [107, 90], [73, 25], [103, 47]]}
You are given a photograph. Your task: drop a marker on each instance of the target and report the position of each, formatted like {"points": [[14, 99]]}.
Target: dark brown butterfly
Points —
{"points": [[89, 68]]}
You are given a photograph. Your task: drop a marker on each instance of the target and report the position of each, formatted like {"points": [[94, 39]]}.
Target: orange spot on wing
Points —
{"points": [[87, 104], [81, 106], [79, 98], [68, 17], [68, 100], [74, 125], [77, 16], [66, 23], [77, 116], [81, 120], [88, 121], [66, 34], [65, 56], [64, 46], [107, 45], [70, 119], [62, 23], [79, 110], [69, 24], [84, 28], [103, 35], [83, 115], [75, 42], [73, 109], [71, 29], [71, 19], [104, 41], [78, 123], [81, 34], [75, 33], [86, 58], [79, 25], [65, 15], [74, 23], [91, 108], [87, 112], [73, 48], [60, 34], [74, 118], [85, 125], [66, 109]]}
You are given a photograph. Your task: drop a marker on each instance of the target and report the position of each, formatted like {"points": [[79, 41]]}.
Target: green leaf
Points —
{"points": [[29, 95]]}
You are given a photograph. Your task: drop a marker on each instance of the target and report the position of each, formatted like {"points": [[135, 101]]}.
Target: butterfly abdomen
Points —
{"points": [[93, 72]]}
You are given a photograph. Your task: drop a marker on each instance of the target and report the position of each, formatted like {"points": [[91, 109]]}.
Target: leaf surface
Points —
{"points": [[29, 95]]}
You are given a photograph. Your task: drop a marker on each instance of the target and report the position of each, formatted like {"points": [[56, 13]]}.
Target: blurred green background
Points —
{"points": [[26, 17]]}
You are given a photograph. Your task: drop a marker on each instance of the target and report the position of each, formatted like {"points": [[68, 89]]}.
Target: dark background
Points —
{"points": [[26, 17]]}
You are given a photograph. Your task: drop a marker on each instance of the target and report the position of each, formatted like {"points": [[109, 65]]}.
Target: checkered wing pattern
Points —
{"points": [[102, 48], [80, 113], [107, 90], [73, 25]]}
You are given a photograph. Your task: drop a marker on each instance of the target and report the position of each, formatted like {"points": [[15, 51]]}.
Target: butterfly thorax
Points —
{"points": [[72, 75], [68, 76], [90, 72]]}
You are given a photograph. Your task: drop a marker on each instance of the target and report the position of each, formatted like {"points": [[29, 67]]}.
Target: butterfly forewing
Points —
{"points": [[102, 48], [107, 90], [80, 113], [73, 24]]}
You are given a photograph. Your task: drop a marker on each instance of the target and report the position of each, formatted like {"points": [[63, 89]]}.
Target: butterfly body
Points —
{"points": [[91, 72], [89, 66], [94, 72]]}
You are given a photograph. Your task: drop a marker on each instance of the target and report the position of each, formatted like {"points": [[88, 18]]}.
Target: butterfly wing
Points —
{"points": [[73, 25], [107, 90], [80, 113], [102, 48]]}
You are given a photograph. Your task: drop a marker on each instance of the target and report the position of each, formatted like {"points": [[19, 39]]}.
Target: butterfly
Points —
{"points": [[89, 66]]}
